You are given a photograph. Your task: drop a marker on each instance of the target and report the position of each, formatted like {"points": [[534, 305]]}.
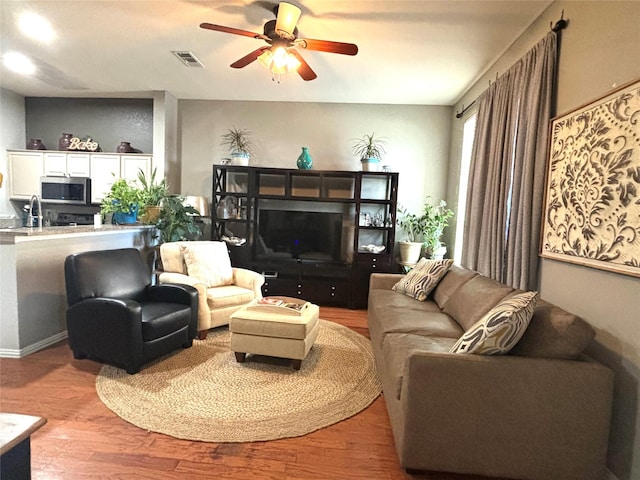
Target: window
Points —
{"points": [[468, 135]]}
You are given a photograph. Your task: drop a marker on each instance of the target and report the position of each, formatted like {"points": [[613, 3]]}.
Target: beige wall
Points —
{"points": [[417, 139], [600, 49]]}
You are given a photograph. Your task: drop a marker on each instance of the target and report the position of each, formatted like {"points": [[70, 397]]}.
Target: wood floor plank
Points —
{"points": [[84, 440]]}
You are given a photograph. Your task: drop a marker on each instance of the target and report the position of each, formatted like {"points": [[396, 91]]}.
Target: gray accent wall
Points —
{"points": [[599, 51], [108, 121]]}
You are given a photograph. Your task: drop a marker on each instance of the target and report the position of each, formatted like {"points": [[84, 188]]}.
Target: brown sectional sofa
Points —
{"points": [[540, 412]]}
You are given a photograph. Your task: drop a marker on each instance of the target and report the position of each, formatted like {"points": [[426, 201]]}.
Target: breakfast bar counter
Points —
{"points": [[33, 296]]}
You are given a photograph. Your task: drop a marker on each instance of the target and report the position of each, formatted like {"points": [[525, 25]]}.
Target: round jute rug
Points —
{"points": [[202, 393]]}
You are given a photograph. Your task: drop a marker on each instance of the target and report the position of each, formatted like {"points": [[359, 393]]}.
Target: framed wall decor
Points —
{"points": [[592, 201]]}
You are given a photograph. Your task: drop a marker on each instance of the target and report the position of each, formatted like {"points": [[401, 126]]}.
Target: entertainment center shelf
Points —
{"points": [[315, 235]]}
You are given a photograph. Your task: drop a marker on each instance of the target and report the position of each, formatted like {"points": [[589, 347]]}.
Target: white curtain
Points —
{"points": [[507, 175]]}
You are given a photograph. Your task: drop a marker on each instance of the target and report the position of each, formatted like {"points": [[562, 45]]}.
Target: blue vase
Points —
{"points": [[305, 162]]}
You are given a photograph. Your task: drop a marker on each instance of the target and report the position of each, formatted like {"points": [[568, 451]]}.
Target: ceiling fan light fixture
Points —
{"points": [[279, 61], [287, 19]]}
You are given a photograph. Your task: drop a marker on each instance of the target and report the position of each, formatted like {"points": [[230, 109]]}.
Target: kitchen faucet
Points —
{"points": [[31, 216]]}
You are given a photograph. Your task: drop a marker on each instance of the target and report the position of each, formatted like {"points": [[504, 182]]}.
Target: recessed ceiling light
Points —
{"points": [[36, 27], [19, 63]]}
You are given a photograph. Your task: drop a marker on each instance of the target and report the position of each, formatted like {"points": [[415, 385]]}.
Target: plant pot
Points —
{"points": [[370, 164], [151, 214], [439, 253], [122, 218], [409, 252], [241, 159]]}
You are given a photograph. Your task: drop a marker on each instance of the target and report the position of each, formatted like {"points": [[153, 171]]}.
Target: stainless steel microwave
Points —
{"points": [[70, 190]]}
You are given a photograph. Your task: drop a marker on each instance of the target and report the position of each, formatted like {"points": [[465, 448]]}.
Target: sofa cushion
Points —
{"points": [[456, 277], [209, 262], [228, 296], [397, 347], [423, 278], [501, 328], [554, 333], [474, 299]]}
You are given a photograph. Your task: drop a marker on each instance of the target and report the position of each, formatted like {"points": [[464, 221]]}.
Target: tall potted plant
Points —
{"points": [[369, 149], [238, 143], [151, 195], [122, 201], [423, 230]]}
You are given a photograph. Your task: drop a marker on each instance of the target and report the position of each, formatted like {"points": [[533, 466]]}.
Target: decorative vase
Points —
{"points": [[65, 141], [35, 144], [125, 147], [305, 162]]}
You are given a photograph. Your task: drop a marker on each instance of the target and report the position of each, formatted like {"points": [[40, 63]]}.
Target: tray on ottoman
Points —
{"points": [[282, 327]]}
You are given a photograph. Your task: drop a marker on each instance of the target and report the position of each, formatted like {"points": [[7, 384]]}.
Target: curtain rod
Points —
{"points": [[460, 114], [560, 25]]}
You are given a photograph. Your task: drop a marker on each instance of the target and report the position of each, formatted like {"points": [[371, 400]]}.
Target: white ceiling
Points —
{"points": [[410, 52]]}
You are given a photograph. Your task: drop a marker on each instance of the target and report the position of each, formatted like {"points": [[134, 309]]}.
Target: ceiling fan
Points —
{"points": [[282, 56]]}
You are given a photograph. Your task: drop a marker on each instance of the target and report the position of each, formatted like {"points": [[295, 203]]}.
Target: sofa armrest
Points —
{"points": [[462, 409], [249, 279], [204, 314], [179, 278], [383, 281]]}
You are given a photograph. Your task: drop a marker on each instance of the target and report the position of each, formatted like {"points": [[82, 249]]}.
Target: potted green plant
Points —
{"points": [[152, 194], [238, 142], [370, 150], [122, 201], [423, 230], [177, 220]]}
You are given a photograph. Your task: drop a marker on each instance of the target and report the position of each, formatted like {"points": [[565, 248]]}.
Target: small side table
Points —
{"points": [[15, 444]]}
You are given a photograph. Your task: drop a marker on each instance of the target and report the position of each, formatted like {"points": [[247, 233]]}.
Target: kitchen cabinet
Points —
{"points": [[130, 165], [105, 169], [27, 166], [25, 170], [58, 164]]}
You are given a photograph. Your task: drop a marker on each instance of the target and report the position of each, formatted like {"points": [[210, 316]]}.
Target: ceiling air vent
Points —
{"points": [[189, 59]]}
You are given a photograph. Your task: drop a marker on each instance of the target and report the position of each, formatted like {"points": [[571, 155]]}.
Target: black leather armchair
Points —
{"points": [[117, 317]]}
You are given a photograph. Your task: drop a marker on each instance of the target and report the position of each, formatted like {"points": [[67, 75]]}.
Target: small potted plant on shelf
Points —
{"points": [[177, 220], [370, 150], [238, 142], [424, 230], [122, 201], [152, 194]]}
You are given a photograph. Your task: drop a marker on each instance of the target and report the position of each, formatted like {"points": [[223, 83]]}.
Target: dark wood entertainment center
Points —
{"points": [[328, 274]]}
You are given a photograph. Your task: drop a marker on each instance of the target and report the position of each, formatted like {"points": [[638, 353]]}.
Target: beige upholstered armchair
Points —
{"points": [[222, 289]]}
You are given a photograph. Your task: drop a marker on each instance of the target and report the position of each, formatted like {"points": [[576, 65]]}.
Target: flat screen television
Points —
{"points": [[300, 235]]}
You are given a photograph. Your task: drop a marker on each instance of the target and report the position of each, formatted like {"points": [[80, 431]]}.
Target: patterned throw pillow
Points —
{"points": [[209, 262], [501, 328], [423, 278]]}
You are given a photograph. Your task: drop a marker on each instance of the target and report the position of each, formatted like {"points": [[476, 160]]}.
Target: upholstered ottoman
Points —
{"points": [[274, 331]]}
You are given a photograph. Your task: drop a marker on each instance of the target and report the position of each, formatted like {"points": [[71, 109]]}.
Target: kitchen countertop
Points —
{"points": [[20, 232]]}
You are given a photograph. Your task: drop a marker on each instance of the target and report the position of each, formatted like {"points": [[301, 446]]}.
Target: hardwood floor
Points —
{"points": [[84, 440]]}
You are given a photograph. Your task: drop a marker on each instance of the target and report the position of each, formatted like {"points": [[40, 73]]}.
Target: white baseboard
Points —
{"points": [[608, 475], [34, 347]]}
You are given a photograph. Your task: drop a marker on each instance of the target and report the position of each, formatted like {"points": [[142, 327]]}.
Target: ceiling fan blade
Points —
{"points": [[304, 70], [247, 59], [235, 31], [327, 46]]}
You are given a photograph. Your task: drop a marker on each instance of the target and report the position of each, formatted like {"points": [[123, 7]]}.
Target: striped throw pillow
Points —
{"points": [[501, 328], [423, 278]]}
